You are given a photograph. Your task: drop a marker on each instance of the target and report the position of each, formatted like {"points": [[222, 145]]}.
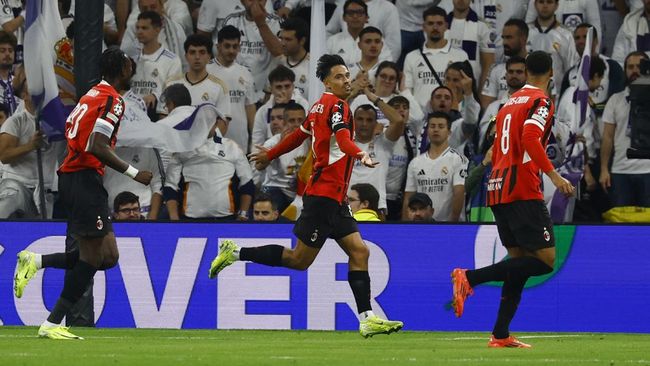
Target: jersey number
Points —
{"points": [[74, 118], [505, 134]]}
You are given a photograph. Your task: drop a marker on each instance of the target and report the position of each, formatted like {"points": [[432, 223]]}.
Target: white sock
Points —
{"points": [[48, 324], [38, 260], [365, 315]]}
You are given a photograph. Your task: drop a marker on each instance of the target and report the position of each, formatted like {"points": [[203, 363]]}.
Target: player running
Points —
{"points": [[515, 195], [326, 213]]}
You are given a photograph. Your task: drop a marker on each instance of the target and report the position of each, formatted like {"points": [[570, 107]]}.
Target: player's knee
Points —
{"points": [[360, 254]]}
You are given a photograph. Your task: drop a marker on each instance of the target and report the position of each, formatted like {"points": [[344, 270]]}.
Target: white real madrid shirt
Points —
{"points": [[472, 36], [207, 171], [300, 70], [572, 13], [241, 87], [419, 79], [262, 124], [344, 45], [558, 41], [210, 89], [282, 172], [152, 71], [380, 150], [496, 13], [437, 178]]}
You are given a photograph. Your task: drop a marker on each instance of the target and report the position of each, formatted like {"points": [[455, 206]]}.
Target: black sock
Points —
{"points": [[526, 265], [65, 260], [360, 284], [73, 288], [510, 297], [271, 255]]}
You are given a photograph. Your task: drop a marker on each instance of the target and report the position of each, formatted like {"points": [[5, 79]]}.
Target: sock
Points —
{"points": [[360, 284], [510, 297], [73, 288], [365, 315], [525, 265], [48, 324], [65, 260], [271, 255]]}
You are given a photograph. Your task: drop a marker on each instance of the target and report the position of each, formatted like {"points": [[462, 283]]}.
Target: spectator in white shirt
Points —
{"points": [[496, 13], [572, 13], [363, 70], [634, 34], [294, 37]]}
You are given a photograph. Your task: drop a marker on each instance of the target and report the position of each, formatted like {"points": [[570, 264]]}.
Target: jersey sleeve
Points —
{"points": [[339, 116], [491, 86], [486, 43], [534, 129], [110, 113], [460, 172], [540, 115], [411, 185], [207, 16]]}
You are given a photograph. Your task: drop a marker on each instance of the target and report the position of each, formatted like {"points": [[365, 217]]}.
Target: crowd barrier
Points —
{"points": [[601, 283]]}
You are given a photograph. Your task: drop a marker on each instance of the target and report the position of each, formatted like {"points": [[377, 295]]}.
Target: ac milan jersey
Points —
{"points": [[515, 177], [100, 110], [332, 167]]}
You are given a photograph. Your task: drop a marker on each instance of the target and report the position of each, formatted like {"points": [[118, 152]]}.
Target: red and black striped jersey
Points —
{"points": [[522, 130], [101, 109]]}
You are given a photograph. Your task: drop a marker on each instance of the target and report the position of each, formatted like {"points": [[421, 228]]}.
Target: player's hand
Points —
{"points": [[466, 83], [605, 179], [260, 158], [143, 177], [366, 160], [562, 184], [282, 97], [258, 13], [37, 140], [283, 12]]}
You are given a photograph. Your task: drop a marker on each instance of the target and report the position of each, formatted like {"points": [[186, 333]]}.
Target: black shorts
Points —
{"points": [[323, 218], [524, 224], [85, 201]]}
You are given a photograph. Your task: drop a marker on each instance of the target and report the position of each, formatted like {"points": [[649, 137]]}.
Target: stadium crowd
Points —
{"points": [[442, 70]]}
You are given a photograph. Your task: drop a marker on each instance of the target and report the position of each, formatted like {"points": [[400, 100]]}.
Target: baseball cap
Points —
{"points": [[421, 198]]}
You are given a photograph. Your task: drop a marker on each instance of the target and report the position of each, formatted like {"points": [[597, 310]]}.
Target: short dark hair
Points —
{"points": [[265, 197], [293, 106], [325, 64], [520, 24], [177, 94], [112, 62], [281, 73], [367, 192], [434, 10], [297, 25], [282, 106], [8, 38], [587, 25], [366, 107], [391, 65], [154, 17], [538, 63], [439, 114], [515, 60], [198, 40], [358, 2], [228, 32], [441, 87], [398, 99], [370, 29], [124, 198], [597, 67]]}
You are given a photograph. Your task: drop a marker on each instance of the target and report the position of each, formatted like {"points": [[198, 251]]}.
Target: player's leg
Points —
{"points": [[359, 281]]}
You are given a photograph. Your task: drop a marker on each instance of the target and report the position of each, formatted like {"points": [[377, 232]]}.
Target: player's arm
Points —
{"points": [[263, 156], [99, 145]]}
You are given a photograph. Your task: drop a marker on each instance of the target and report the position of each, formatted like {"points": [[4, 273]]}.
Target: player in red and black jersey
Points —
{"points": [[91, 130], [515, 196], [325, 213]]}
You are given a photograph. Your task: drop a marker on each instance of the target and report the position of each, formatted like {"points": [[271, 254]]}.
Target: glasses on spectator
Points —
{"points": [[129, 210], [358, 13], [389, 78]]}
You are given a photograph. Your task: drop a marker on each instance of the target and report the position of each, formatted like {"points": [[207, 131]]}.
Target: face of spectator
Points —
{"points": [[338, 81], [438, 131], [128, 211], [513, 40], [355, 16], [594, 82], [419, 212], [370, 45], [461, 5], [290, 43], [402, 109], [6, 56], [354, 202], [282, 90], [441, 101], [293, 119], [546, 8], [365, 122], [516, 76], [277, 120], [228, 49], [151, 5], [197, 57], [434, 27], [263, 211], [453, 79], [633, 68], [145, 32], [386, 81], [580, 39]]}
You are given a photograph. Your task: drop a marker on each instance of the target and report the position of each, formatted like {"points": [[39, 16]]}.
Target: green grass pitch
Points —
{"points": [[20, 346]]}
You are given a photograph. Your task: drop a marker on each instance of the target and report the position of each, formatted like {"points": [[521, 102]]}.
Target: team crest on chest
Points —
{"points": [[154, 73], [444, 170], [205, 97]]}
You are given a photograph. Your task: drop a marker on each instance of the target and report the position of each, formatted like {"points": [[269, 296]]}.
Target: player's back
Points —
{"points": [[514, 175], [101, 110], [332, 167]]}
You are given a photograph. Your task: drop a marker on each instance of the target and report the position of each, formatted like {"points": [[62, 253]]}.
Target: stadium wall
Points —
{"points": [[601, 284]]}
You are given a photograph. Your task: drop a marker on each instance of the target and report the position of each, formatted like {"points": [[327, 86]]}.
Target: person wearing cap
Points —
{"points": [[420, 208], [363, 199]]}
